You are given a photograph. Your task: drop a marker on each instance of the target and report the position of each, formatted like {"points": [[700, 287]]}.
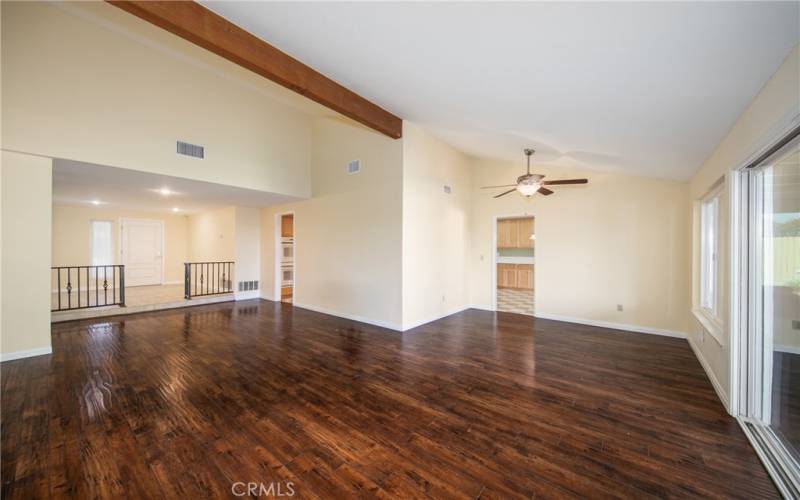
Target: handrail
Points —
{"points": [[74, 286], [207, 278]]}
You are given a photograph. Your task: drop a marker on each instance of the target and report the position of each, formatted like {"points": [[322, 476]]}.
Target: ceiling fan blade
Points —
{"points": [[544, 191], [503, 186], [565, 181], [503, 194]]}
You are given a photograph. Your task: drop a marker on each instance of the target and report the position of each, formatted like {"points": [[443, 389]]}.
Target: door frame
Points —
{"points": [[751, 349], [277, 260], [495, 219], [121, 255], [744, 190]]}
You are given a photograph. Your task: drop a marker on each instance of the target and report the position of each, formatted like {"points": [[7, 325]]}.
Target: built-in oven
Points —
{"points": [[287, 275], [287, 252]]}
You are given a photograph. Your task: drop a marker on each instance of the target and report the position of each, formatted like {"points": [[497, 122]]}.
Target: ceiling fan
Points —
{"points": [[530, 184]]}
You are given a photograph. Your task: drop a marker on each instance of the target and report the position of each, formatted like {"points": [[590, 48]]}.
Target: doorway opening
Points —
{"points": [[284, 262], [514, 264]]}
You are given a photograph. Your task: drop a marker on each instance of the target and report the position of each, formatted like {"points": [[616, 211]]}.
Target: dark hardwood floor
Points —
{"points": [[185, 403], [786, 399]]}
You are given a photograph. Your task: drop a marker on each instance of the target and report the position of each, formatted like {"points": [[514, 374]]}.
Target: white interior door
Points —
{"points": [[142, 246]]}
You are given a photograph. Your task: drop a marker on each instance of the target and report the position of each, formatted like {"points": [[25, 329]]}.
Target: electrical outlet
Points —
{"points": [[619, 307], [443, 298]]}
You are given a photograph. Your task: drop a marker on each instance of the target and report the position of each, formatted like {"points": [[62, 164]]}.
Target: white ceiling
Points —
{"points": [[78, 183], [641, 88]]}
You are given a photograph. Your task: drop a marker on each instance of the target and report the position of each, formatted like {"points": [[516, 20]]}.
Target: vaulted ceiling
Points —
{"points": [[640, 88]]}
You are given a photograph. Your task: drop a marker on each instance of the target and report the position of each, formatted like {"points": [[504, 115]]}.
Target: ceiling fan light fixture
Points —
{"points": [[528, 187], [529, 184]]}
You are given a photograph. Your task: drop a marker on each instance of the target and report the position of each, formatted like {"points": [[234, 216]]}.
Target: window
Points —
{"points": [[102, 253], [709, 254]]}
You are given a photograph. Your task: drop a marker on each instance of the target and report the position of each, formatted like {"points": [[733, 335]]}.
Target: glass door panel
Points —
{"points": [[780, 255]]}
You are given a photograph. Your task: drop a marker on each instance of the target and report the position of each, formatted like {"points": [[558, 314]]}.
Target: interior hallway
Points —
{"points": [[475, 404]]}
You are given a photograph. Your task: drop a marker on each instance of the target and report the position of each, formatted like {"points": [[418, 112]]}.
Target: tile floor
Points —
{"points": [[515, 300], [137, 299]]}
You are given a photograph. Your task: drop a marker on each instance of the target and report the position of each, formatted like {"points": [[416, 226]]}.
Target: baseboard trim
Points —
{"points": [[482, 307], [11, 356], [268, 297], [613, 326], [787, 349], [723, 397], [250, 294], [416, 324], [352, 317]]}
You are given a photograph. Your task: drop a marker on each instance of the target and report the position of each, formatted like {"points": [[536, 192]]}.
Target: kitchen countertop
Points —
{"points": [[515, 260]]}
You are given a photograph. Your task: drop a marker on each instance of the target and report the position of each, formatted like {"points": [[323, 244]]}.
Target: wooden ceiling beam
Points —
{"points": [[197, 24]]}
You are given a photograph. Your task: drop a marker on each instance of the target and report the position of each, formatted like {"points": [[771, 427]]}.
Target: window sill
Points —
{"points": [[712, 325]]}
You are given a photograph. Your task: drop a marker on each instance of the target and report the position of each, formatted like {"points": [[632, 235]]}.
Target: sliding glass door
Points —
{"points": [[780, 264], [769, 311]]}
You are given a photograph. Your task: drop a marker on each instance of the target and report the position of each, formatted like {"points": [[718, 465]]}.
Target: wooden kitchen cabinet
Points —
{"points": [[515, 233], [506, 276], [515, 276], [507, 234], [524, 232], [287, 226], [524, 276]]}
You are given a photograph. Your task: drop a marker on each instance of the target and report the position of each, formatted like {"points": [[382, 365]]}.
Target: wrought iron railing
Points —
{"points": [[82, 287], [207, 278]]}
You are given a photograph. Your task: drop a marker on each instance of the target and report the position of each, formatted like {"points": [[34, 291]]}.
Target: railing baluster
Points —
{"points": [[86, 281], [69, 289], [210, 278], [122, 285]]}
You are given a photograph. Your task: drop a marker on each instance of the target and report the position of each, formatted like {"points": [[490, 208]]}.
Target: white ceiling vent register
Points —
{"points": [[193, 150], [353, 167]]}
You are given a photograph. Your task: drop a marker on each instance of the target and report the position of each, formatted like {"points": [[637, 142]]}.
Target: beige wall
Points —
{"points": [[248, 245], [72, 235], [618, 240], [436, 235], [25, 212], [86, 81], [771, 110], [348, 235], [212, 235]]}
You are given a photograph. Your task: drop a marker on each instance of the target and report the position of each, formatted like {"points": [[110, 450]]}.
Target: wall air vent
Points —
{"points": [[193, 150], [447, 189], [353, 167], [246, 286]]}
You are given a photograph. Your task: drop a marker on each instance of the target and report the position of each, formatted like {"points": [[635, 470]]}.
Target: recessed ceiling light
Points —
{"points": [[165, 191], [175, 209], [96, 202]]}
